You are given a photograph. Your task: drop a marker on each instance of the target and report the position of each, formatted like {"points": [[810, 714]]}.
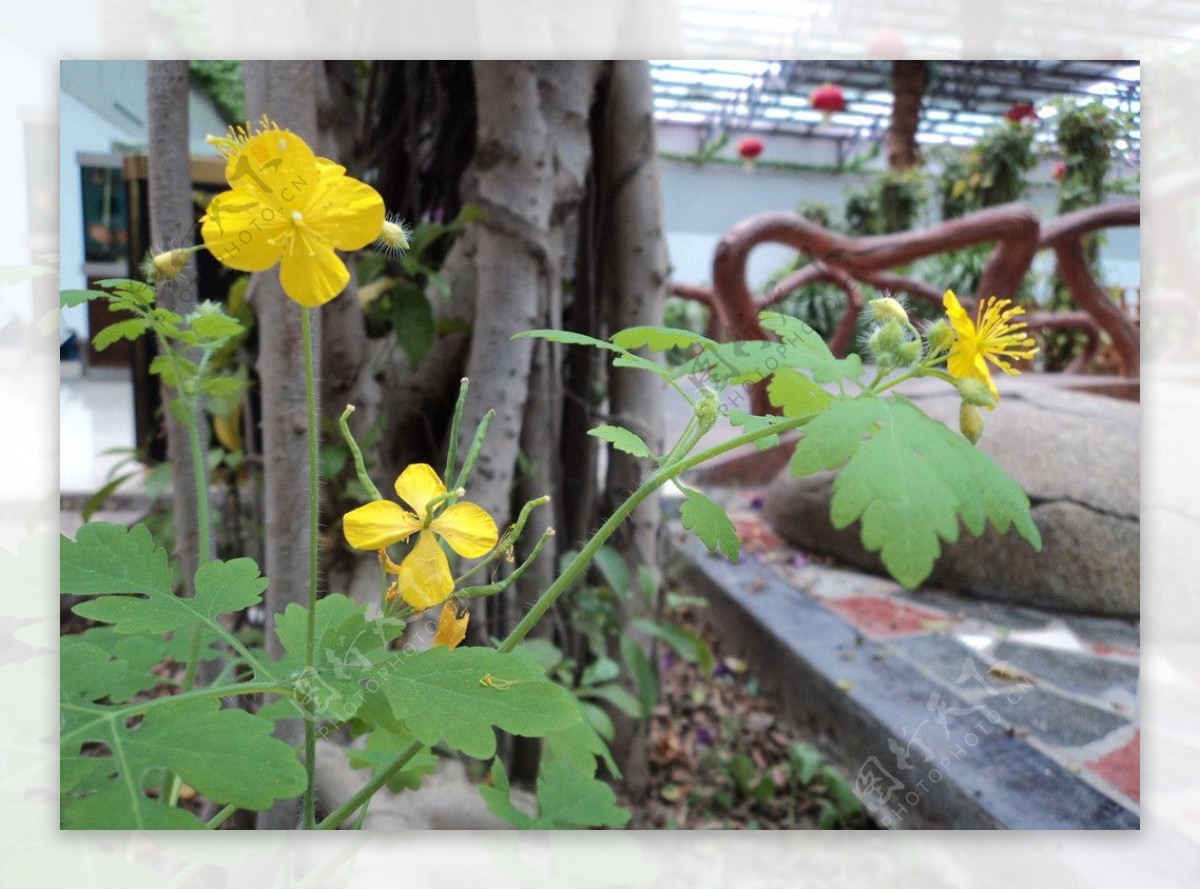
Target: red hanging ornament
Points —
{"points": [[1021, 111], [827, 99], [1058, 171], [749, 149]]}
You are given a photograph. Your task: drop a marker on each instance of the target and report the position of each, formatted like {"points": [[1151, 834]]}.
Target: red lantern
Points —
{"points": [[1059, 171], [749, 149], [1021, 111], [827, 99]]}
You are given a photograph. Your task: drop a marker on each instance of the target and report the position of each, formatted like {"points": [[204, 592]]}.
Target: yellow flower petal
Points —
{"points": [[425, 577], [452, 626], [243, 232], [344, 211], [418, 485], [311, 273], [959, 319], [375, 525], [467, 528], [276, 166]]}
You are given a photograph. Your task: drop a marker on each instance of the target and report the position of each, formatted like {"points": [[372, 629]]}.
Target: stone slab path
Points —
{"points": [[947, 711]]}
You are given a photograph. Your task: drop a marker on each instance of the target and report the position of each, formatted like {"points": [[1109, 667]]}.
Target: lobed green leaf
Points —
{"points": [[701, 514], [910, 480]]}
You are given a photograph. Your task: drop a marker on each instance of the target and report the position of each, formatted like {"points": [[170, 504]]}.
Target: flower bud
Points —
{"points": [[885, 341], [888, 309], [909, 352], [940, 336], [168, 266], [708, 406], [970, 422], [393, 237], [975, 392]]}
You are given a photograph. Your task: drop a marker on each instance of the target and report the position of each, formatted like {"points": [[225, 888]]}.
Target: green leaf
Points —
{"points": [[703, 516], [659, 339], [109, 558], [839, 791], [599, 720], [611, 564], [909, 479], [129, 329], [795, 395], [412, 322], [69, 298], [543, 652], [228, 755], [752, 423], [351, 650], [601, 670], [220, 587], [688, 645], [581, 743], [136, 291], [96, 501], [216, 327], [616, 696], [498, 797], [174, 371], [566, 799], [569, 799], [459, 695], [805, 760], [570, 338], [382, 748], [799, 346], [642, 673], [622, 439]]}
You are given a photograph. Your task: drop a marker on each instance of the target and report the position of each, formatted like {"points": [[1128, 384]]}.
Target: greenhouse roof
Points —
{"points": [[962, 99]]}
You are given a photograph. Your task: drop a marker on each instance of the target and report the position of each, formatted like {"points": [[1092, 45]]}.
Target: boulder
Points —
{"points": [[1076, 455]]}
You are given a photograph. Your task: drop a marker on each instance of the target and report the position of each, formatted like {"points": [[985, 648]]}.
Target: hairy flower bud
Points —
{"points": [[167, 266], [888, 309], [940, 336], [393, 237], [909, 352], [970, 422], [885, 341]]}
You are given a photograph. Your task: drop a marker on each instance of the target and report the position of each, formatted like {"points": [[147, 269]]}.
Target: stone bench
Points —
{"points": [[1076, 455]]}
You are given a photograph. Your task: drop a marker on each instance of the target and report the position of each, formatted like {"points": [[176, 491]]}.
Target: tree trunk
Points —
{"points": [[633, 276], [171, 220], [908, 87], [285, 91], [511, 179]]}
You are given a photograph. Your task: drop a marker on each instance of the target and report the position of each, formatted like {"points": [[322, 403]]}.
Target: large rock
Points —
{"points": [[1076, 455]]}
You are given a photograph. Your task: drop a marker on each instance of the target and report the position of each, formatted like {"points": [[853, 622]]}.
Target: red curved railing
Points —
{"points": [[846, 261]]}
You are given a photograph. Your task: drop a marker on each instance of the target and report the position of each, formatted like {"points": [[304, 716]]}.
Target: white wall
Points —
{"points": [[103, 109], [701, 203]]}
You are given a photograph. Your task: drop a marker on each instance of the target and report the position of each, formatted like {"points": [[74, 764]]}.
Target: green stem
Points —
{"points": [[310, 723], [564, 582], [193, 405], [217, 820], [360, 467], [367, 791], [653, 482], [452, 448]]}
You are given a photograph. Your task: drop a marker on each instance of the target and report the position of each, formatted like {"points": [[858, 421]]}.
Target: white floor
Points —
{"points": [[96, 429]]}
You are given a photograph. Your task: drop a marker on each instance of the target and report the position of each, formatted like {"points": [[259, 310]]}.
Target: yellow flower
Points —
{"points": [[288, 206], [993, 336], [424, 578], [452, 626]]}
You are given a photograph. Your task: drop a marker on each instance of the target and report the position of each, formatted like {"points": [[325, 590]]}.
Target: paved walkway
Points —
{"points": [[910, 686]]}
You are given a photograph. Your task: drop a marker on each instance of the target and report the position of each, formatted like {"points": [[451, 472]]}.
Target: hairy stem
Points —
{"points": [[310, 722]]}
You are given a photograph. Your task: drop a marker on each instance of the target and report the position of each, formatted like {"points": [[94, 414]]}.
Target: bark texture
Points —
{"points": [[909, 78], [633, 280], [285, 91], [172, 219]]}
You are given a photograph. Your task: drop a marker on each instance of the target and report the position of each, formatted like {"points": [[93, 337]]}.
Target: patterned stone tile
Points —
{"points": [[885, 619], [1122, 768]]}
